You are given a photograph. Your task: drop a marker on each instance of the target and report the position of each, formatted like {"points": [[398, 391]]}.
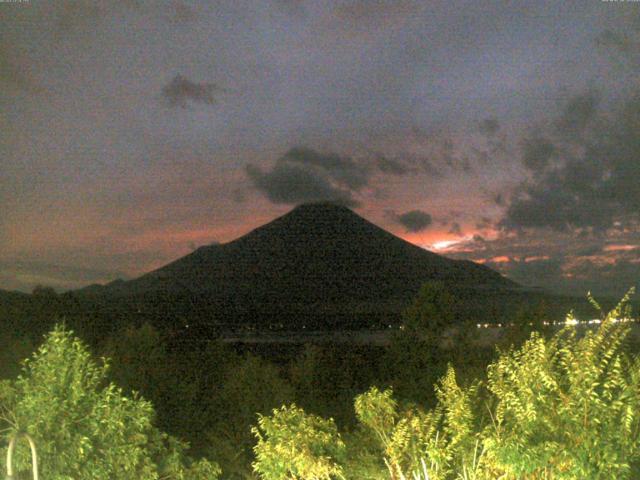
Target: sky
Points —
{"points": [[504, 132]]}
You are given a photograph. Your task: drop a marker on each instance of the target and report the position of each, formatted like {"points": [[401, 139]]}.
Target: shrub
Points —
{"points": [[85, 428], [294, 445], [562, 408], [567, 406]]}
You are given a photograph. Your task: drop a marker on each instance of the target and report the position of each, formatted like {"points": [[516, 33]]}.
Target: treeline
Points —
{"points": [[210, 396]]}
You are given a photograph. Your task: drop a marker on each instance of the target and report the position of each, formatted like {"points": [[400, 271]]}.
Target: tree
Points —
{"points": [[183, 383], [250, 388], [528, 319], [84, 427], [562, 408], [294, 445], [415, 356], [431, 314], [138, 360], [439, 442], [568, 406]]}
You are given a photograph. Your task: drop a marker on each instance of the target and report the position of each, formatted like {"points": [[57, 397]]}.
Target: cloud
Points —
{"points": [[414, 220], [537, 152], [456, 229], [303, 174], [181, 90], [627, 43], [293, 184], [606, 263], [586, 184], [578, 113], [23, 275], [484, 223], [550, 204], [489, 126], [525, 270], [341, 169], [391, 166]]}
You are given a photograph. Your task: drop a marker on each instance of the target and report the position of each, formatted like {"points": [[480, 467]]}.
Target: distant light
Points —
{"points": [[568, 321], [620, 248], [444, 244]]}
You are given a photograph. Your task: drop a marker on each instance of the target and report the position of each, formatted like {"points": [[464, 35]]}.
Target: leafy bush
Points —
{"points": [[567, 407], [85, 428], [563, 408], [294, 445], [249, 388], [415, 355], [438, 443]]}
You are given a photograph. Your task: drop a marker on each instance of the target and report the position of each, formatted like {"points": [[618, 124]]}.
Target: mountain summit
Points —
{"points": [[318, 260]]}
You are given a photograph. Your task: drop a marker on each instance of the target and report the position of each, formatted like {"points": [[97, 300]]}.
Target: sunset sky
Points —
{"points": [[505, 132]]}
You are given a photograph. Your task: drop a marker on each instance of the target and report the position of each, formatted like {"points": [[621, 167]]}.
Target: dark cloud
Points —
{"points": [[303, 174], [293, 184], [622, 272], [578, 113], [489, 126], [341, 169], [550, 204], [414, 220], [626, 43], [391, 166], [451, 158], [590, 186], [181, 90], [429, 167], [435, 154], [588, 250], [537, 152], [530, 271], [484, 223], [456, 229], [478, 238]]}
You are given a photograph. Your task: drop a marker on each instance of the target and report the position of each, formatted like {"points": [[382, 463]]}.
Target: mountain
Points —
{"points": [[318, 263]]}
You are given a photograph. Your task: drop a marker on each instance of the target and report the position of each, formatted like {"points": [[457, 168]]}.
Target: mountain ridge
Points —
{"points": [[318, 257]]}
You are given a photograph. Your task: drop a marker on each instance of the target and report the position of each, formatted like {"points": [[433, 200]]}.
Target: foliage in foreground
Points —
{"points": [[293, 444], [85, 428], [567, 407]]}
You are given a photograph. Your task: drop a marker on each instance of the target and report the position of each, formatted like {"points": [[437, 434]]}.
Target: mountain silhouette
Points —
{"points": [[320, 262]]}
